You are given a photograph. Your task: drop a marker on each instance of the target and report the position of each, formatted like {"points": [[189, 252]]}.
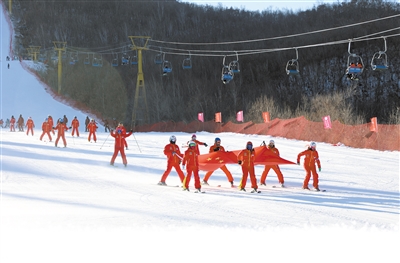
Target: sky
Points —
{"points": [[69, 205]]}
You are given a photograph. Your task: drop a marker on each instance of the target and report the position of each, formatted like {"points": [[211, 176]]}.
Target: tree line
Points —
{"points": [[320, 89]]}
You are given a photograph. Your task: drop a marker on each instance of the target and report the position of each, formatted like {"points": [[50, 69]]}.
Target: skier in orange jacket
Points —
{"points": [[75, 126], [119, 136], [311, 157], [215, 148], [61, 128], [191, 160], [271, 146], [121, 126], [175, 157], [51, 123], [246, 159], [92, 127], [194, 139], [46, 128], [30, 125]]}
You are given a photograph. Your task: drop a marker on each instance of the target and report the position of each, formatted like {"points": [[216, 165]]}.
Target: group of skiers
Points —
{"points": [[245, 158]]}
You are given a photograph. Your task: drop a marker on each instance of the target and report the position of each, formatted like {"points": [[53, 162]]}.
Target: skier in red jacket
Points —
{"points": [[246, 159], [46, 128], [92, 127], [75, 126], [175, 157], [61, 128], [30, 125], [12, 123], [311, 157], [191, 160], [272, 148], [119, 136]]}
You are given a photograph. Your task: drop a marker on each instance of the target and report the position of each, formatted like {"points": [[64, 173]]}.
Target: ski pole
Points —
{"points": [[136, 142], [105, 141]]}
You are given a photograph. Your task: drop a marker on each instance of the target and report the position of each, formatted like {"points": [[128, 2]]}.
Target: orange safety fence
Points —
{"points": [[358, 136]]}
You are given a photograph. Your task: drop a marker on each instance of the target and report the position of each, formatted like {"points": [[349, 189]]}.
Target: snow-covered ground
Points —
{"points": [[69, 205]]}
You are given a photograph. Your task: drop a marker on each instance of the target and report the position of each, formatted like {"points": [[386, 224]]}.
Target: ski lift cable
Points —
{"points": [[279, 37]]}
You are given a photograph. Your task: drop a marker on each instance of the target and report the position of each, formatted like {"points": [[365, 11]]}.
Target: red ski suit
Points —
{"points": [[50, 120], [30, 125], [46, 128], [61, 128], [92, 127], [119, 146], [122, 128], [174, 156], [311, 157], [273, 167], [75, 126], [12, 124], [216, 148], [191, 161], [247, 158]]}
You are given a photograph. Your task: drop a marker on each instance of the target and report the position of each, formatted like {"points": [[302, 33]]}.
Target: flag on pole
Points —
{"points": [[200, 117], [239, 116], [327, 122], [218, 117], [374, 124], [266, 117]]}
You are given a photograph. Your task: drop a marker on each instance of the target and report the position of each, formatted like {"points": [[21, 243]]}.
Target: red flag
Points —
{"points": [[374, 124], [218, 117], [327, 122], [213, 161], [266, 117], [239, 116], [200, 117], [265, 156]]}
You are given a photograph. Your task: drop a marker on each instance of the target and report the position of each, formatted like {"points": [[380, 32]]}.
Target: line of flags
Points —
{"points": [[266, 117]]}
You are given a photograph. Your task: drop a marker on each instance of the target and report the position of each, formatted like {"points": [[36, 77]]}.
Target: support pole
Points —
{"points": [[60, 47]]}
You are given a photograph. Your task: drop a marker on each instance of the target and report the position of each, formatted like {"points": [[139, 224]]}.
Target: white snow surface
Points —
{"points": [[69, 205]]}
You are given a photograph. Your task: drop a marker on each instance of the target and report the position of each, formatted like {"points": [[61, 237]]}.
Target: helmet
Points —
{"points": [[172, 139], [194, 136], [217, 139], [249, 145], [313, 145], [192, 144], [271, 143], [60, 120]]}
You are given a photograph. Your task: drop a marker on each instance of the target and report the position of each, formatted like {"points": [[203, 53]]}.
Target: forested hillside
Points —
{"points": [[262, 43]]}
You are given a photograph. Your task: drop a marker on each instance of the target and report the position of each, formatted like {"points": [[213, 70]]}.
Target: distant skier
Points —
{"points": [[12, 124], [46, 128], [51, 123], [75, 126], [61, 128], [20, 123], [92, 127], [29, 125], [87, 121], [311, 157]]}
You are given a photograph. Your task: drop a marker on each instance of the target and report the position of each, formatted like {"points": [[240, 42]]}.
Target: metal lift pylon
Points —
{"points": [[140, 112], [60, 47]]}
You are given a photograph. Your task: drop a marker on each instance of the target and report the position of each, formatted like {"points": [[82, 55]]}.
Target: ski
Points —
{"points": [[167, 185], [255, 191], [199, 191]]}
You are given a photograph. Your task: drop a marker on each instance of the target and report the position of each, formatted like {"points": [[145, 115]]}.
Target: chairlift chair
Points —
{"points": [[158, 59], [355, 64], [379, 60], [71, 59], [292, 66], [134, 59], [97, 62], [227, 74], [187, 62], [114, 62], [125, 59], [234, 65], [86, 61]]}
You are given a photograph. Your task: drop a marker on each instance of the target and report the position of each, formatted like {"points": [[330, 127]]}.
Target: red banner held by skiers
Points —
{"points": [[327, 122], [200, 116], [239, 116], [218, 117], [266, 117], [374, 124]]}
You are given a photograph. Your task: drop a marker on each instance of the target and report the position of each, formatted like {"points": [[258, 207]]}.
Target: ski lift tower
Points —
{"points": [[140, 112], [60, 47], [33, 51]]}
